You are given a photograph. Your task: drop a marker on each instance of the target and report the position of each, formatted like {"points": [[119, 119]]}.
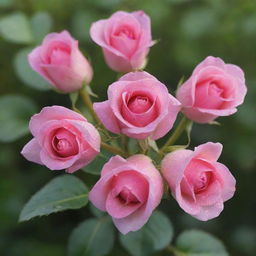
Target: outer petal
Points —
{"points": [[85, 158], [99, 192], [186, 93], [63, 78], [105, 114], [113, 163], [209, 212], [31, 151], [136, 220], [35, 61], [209, 151], [52, 113], [226, 180], [135, 76], [167, 123], [210, 61], [80, 65], [62, 36], [173, 166], [195, 115], [89, 132], [116, 62], [57, 163], [97, 32]]}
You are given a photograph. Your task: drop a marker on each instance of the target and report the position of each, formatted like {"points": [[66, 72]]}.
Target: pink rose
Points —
{"points": [[214, 89], [198, 182], [139, 106], [129, 190], [61, 63], [125, 39], [63, 139]]}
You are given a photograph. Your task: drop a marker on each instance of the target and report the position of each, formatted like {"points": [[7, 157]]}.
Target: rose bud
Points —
{"points": [[198, 182], [214, 89], [128, 190], [139, 106], [63, 139], [125, 39], [59, 60]]}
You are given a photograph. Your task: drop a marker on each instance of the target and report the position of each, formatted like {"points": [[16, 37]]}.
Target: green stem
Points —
{"points": [[87, 101], [114, 150], [124, 141], [176, 134]]}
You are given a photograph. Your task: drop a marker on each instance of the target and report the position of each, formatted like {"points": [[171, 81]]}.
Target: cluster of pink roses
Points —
{"points": [[140, 107]]}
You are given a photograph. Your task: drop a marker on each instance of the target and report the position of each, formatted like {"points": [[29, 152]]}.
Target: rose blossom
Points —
{"points": [[198, 182], [129, 190], [125, 39], [139, 106], [214, 89], [63, 139], [61, 63]]}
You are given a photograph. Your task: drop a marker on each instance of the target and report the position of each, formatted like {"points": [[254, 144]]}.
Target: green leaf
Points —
{"points": [[154, 236], [81, 23], [73, 98], [93, 237], [15, 112], [16, 28], [6, 3], [25, 72], [200, 243], [41, 24], [153, 144], [96, 165], [62, 193]]}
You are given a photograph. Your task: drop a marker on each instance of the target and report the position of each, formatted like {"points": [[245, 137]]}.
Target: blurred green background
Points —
{"points": [[188, 31]]}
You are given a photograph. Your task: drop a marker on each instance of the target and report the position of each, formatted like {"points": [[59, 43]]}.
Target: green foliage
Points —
{"points": [[96, 165], [41, 23], [200, 243], [81, 22], [93, 237], [60, 194], [154, 236], [15, 112], [16, 28], [26, 74]]}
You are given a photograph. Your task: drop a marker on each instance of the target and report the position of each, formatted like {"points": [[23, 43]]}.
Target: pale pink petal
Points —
{"points": [[135, 76], [226, 180], [210, 61], [105, 114], [64, 78], [85, 158], [56, 163], [113, 163], [89, 132], [99, 193], [167, 123], [35, 61], [52, 113], [79, 64], [209, 151], [31, 151], [173, 166], [209, 212], [116, 62], [117, 209], [210, 196]]}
